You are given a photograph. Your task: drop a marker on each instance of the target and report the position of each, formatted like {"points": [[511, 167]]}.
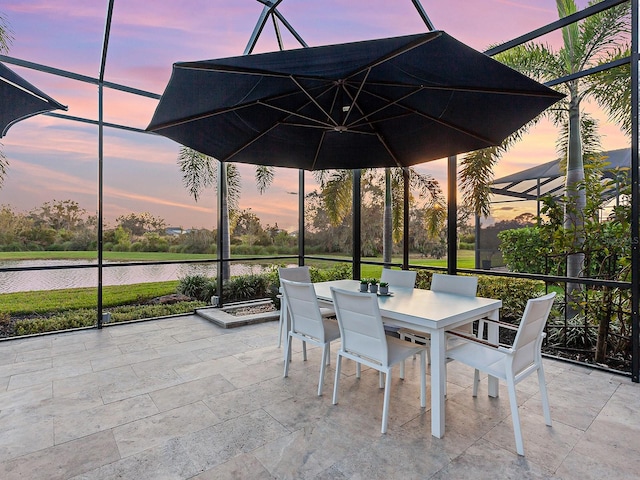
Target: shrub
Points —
{"points": [[523, 249], [514, 293], [87, 317], [246, 287], [196, 286], [137, 247]]}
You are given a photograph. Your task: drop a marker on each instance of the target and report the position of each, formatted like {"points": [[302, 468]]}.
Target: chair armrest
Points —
{"points": [[506, 325], [471, 338]]}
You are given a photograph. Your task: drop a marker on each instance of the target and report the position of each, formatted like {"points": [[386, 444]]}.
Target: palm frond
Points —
{"points": [[264, 177], [535, 60], [4, 165], [6, 35], [476, 175], [198, 171], [604, 31], [612, 90], [336, 194]]}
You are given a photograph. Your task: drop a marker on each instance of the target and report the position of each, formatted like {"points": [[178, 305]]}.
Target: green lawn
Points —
{"points": [[466, 259]]}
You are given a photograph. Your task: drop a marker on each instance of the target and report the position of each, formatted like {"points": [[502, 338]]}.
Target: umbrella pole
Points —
{"points": [[452, 216], [356, 217], [301, 217]]}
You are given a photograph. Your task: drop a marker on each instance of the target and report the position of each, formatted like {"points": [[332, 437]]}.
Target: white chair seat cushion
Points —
{"points": [[327, 312], [399, 350], [478, 356]]}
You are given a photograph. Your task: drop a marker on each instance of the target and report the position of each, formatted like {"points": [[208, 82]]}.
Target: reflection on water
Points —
{"points": [[88, 277]]}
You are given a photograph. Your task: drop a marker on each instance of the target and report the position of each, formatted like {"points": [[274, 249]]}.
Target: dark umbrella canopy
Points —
{"points": [[20, 99], [391, 102]]}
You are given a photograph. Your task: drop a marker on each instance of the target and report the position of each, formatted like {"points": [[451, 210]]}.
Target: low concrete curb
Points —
{"points": [[226, 320]]}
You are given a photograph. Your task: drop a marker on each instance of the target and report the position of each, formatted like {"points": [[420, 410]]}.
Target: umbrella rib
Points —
{"points": [[356, 96], [253, 140], [422, 114], [13, 84], [387, 105], [474, 89], [313, 100], [378, 135], [315, 157], [296, 114], [428, 37]]}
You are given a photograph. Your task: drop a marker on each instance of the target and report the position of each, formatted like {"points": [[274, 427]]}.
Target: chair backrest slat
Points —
{"points": [[295, 274], [458, 284], [303, 308], [398, 278], [360, 323], [529, 336]]}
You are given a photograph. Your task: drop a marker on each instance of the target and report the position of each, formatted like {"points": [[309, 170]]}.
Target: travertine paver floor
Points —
{"points": [[180, 398]]}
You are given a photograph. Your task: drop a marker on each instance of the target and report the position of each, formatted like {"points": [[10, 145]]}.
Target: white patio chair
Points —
{"points": [[363, 340], [397, 279], [295, 274], [512, 364], [307, 324], [459, 285]]}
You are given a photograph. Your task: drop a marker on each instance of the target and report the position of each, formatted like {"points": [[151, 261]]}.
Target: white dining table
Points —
{"points": [[433, 313]]}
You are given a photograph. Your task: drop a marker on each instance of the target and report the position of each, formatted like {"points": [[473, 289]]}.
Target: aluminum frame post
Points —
{"points": [[103, 63], [635, 194]]}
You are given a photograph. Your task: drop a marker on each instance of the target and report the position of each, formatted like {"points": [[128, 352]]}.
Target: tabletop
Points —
{"points": [[418, 308]]}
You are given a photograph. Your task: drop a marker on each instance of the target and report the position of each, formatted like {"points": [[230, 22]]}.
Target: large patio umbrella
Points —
{"points": [[20, 99], [390, 102]]}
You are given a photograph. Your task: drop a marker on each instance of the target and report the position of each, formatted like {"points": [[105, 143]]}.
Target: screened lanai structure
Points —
{"points": [[549, 179], [99, 157]]}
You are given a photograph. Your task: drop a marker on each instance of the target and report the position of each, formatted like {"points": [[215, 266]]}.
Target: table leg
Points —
{"points": [[493, 337], [438, 377]]}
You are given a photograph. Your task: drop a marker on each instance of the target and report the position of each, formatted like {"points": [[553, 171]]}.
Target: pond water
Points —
{"points": [[88, 277]]}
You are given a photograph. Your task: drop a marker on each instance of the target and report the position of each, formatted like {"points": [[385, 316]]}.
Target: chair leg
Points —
{"points": [[380, 380], [543, 395], [402, 370], [385, 406], [329, 353], [337, 380], [515, 416], [481, 329], [358, 370], [280, 326], [323, 366], [423, 379], [304, 350], [287, 353]]}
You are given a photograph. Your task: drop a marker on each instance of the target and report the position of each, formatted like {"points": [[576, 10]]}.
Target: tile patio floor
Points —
{"points": [[181, 398]]}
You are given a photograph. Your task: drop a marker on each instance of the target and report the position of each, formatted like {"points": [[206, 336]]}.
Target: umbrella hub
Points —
{"points": [[340, 128]]}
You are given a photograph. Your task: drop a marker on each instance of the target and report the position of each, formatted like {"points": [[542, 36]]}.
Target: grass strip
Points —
{"points": [[50, 301]]}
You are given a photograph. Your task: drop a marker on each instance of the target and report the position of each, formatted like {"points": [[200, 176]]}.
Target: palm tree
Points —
{"points": [[200, 171], [599, 39], [6, 37], [336, 193]]}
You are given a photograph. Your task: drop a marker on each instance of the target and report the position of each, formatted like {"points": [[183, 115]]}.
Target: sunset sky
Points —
{"points": [[57, 159]]}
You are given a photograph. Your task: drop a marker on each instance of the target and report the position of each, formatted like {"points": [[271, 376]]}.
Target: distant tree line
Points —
{"points": [[62, 225]]}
